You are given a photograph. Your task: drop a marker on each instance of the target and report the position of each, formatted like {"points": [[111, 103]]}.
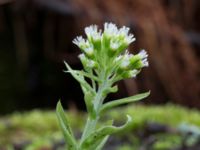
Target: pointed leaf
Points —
{"points": [[110, 90], [67, 132], [118, 102], [79, 78], [83, 73], [97, 137], [102, 143]]}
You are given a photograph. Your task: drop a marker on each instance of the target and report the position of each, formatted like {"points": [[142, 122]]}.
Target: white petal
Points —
{"points": [[89, 50], [110, 28], [133, 73], [79, 41], [114, 45], [92, 32], [143, 54]]}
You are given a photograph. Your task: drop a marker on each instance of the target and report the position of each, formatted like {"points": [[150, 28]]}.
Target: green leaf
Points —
{"points": [[67, 132], [93, 141], [102, 143], [83, 73], [118, 102], [113, 89], [79, 78]]}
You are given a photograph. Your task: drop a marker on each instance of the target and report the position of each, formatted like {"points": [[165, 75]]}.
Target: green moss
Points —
{"points": [[168, 114], [34, 124], [42, 126]]}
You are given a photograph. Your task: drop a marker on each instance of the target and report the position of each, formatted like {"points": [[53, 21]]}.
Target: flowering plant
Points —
{"points": [[105, 61]]}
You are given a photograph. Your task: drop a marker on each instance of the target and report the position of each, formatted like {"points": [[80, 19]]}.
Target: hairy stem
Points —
{"points": [[99, 97]]}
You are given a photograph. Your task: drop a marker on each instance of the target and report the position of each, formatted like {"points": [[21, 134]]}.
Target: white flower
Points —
{"points": [[124, 64], [125, 60], [82, 56], [83, 59], [124, 32], [89, 51], [114, 45], [92, 32], [91, 64], [84, 45], [143, 55], [129, 39], [118, 58], [110, 29], [87, 62], [80, 42], [133, 73]]}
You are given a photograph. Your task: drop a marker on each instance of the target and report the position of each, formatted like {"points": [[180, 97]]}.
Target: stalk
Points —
{"points": [[91, 122]]}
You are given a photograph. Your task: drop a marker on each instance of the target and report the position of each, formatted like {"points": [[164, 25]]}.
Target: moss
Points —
{"points": [[34, 124], [40, 125]]}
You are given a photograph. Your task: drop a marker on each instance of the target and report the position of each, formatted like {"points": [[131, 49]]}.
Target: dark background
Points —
{"points": [[36, 36]]}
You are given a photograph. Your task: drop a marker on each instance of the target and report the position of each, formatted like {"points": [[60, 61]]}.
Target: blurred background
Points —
{"points": [[36, 37]]}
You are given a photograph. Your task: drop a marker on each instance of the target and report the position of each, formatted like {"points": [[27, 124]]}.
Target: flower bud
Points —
{"points": [[110, 30], [125, 36], [143, 54], [79, 41], [130, 74], [84, 45], [113, 48], [92, 64], [89, 51], [140, 60], [87, 63], [135, 62], [125, 62], [94, 36], [83, 59]]}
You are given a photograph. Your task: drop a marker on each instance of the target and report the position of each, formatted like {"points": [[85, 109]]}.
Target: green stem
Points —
{"points": [[91, 122]]}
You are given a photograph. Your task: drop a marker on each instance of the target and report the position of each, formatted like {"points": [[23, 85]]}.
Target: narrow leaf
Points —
{"points": [[92, 141], [102, 143], [118, 102], [85, 74], [67, 132], [79, 78]]}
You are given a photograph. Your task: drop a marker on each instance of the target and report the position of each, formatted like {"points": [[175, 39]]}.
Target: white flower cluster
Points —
{"points": [[111, 43], [111, 30], [130, 64]]}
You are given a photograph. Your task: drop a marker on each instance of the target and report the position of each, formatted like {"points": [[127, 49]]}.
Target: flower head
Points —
{"points": [[114, 45], [107, 48], [121, 34], [124, 33], [93, 33], [87, 63], [84, 45], [130, 74], [125, 63], [139, 60], [110, 29]]}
